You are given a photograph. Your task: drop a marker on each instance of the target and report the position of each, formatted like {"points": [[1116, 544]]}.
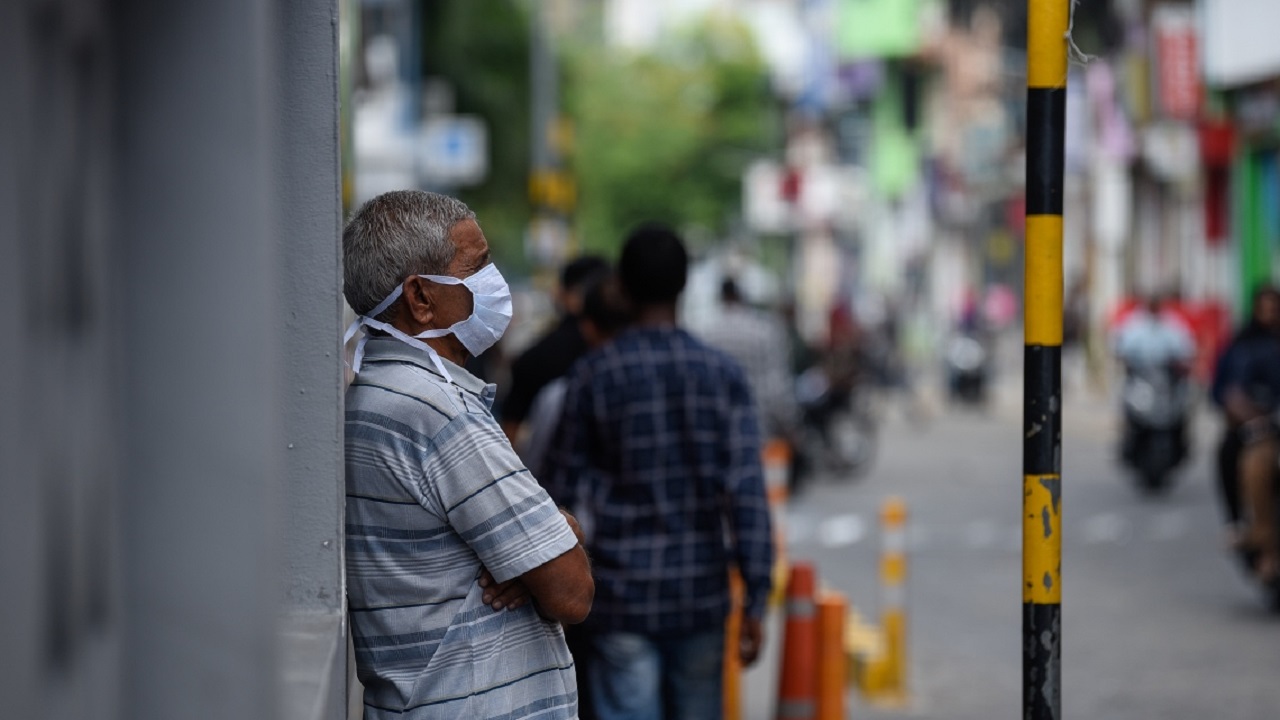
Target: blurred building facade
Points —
{"points": [[170, 438], [1240, 135]]}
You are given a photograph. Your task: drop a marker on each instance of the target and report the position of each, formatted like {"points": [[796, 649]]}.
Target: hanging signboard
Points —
{"points": [[1177, 57]]}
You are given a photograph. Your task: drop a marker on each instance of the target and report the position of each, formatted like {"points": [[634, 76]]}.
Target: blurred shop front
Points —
{"points": [[1241, 140]]}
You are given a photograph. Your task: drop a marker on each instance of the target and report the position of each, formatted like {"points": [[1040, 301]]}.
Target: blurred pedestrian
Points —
{"points": [[604, 314], [554, 353], [460, 569], [660, 443], [844, 362], [759, 343], [801, 353], [1246, 385]]}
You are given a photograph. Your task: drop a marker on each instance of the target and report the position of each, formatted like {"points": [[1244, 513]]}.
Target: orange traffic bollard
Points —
{"points": [[831, 657], [732, 642], [776, 459], [797, 690]]}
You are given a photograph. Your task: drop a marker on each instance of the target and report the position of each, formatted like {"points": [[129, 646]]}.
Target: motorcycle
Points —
{"points": [[1157, 406], [838, 430], [967, 361]]}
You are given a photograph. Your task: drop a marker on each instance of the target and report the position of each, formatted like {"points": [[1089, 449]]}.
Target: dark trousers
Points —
{"points": [[579, 643], [1229, 473]]}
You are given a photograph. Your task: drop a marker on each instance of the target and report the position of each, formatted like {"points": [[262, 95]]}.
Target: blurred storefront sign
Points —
{"points": [[1079, 140], [895, 152], [764, 202], [1136, 86], [453, 151], [1257, 111], [1217, 142], [1171, 150], [546, 241], [1177, 56], [1113, 130], [554, 190], [986, 141], [878, 28], [778, 199], [1111, 194]]}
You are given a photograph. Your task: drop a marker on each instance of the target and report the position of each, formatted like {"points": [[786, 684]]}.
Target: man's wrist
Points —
{"points": [[754, 606]]}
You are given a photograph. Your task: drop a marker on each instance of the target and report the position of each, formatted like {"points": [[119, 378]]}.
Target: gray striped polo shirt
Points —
{"points": [[435, 491]]}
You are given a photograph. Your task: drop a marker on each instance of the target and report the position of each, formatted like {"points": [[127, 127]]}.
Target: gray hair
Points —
{"points": [[393, 236]]}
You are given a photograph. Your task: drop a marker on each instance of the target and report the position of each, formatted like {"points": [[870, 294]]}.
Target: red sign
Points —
{"points": [[1177, 60]]}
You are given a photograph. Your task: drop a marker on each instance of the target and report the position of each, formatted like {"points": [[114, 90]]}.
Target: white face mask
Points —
{"points": [[490, 315]]}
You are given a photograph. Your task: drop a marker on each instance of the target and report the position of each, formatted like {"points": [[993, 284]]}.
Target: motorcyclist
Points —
{"points": [[1152, 340], [1246, 386]]}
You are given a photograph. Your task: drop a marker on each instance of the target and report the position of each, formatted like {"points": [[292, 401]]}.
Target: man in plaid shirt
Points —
{"points": [[659, 446]]}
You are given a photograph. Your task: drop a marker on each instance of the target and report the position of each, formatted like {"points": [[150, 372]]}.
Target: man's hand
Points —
{"points": [[1238, 407], [510, 595], [751, 640]]}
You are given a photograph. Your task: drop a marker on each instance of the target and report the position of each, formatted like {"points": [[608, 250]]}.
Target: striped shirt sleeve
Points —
{"points": [[492, 501]]}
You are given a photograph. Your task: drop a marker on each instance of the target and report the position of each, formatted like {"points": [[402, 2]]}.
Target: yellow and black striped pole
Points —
{"points": [[1047, 23]]}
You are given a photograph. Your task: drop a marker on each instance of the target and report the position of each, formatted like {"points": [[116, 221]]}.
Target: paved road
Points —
{"points": [[1157, 622]]}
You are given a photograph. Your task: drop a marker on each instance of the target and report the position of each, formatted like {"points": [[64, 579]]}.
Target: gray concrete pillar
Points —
{"points": [[170, 382]]}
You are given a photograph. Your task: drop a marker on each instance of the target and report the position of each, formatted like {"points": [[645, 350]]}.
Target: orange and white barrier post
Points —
{"points": [[776, 458], [732, 693], [893, 596], [798, 687]]}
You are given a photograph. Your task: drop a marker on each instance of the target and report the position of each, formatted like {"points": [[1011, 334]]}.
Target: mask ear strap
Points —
{"points": [[368, 321], [413, 342], [444, 279], [354, 327]]}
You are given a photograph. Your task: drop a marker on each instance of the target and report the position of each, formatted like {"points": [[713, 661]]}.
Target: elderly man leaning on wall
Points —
{"points": [[460, 569]]}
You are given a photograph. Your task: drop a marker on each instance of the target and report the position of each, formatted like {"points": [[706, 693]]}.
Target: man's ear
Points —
{"points": [[418, 301]]}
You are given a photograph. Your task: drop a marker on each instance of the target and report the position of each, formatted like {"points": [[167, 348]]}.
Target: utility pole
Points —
{"points": [[551, 191], [543, 88], [1047, 28]]}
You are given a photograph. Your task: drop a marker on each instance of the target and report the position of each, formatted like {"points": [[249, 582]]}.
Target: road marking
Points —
{"points": [[842, 530], [1104, 528]]}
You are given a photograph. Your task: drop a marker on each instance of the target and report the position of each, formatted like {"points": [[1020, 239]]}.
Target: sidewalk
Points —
{"points": [[760, 682]]}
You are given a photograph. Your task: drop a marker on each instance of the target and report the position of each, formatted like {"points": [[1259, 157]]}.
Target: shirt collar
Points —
{"points": [[382, 348]]}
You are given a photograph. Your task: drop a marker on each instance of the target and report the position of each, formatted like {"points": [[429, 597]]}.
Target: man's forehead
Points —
{"points": [[467, 236]]}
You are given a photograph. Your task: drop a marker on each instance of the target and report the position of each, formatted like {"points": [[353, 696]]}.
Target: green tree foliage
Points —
{"points": [[659, 135], [666, 135], [482, 48]]}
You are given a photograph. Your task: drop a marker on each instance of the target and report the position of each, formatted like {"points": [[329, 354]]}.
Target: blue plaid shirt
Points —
{"points": [[659, 447]]}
